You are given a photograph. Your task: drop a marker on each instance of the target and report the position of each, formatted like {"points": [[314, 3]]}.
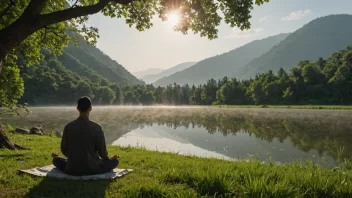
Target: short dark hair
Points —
{"points": [[84, 104]]}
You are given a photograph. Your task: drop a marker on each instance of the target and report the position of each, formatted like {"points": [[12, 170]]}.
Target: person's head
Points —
{"points": [[84, 105]]}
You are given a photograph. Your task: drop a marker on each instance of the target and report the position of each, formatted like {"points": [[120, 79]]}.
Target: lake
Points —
{"points": [[282, 135]]}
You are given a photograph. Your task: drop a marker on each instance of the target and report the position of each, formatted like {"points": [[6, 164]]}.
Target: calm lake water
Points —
{"points": [[283, 135]]}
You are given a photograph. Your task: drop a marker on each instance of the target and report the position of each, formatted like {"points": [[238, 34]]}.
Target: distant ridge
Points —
{"points": [[319, 38], [151, 71], [222, 65], [152, 78]]}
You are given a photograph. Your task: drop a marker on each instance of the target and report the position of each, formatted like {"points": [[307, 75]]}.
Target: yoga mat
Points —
{"points": [[51, 171]]}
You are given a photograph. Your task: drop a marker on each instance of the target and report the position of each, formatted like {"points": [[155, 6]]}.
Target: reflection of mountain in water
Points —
{"points": [[197, 141], [283, 134], [235, 132], [156, 138]]}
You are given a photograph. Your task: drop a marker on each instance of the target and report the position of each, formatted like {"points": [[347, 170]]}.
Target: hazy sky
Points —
{"points": [[160, 47]]}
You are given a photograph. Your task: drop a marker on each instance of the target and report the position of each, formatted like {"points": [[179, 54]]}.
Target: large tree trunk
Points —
{"points": [[5, 142], [2, 61], [5, 47]]}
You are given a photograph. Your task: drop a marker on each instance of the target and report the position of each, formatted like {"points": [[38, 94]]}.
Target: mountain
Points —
{"points": [[221, 65], [80, 70], [95, 60], [319, 38], [151, 71], [154, 77], [51, 83]]}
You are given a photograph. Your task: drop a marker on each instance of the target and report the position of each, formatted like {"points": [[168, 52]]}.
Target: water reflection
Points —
{"points": [[225, 133], [162, 138]]}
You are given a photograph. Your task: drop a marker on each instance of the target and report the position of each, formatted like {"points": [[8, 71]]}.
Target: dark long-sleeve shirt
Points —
{"points": [[83, 142]]}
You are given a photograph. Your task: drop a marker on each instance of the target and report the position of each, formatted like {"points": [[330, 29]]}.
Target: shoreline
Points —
{"points": [[313, 107], [334, 107]]}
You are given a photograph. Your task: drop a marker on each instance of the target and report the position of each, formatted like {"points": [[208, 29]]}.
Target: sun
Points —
{"points": [[173, 19]]}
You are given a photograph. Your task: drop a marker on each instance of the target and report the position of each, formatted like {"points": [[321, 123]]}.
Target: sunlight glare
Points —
{"points": [[173, 19]]}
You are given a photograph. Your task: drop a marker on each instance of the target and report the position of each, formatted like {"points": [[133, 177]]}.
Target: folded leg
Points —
{"points": [[108, 165]]}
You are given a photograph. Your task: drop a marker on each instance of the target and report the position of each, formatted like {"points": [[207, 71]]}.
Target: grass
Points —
{"points": [[342, 107], [170, 175]]}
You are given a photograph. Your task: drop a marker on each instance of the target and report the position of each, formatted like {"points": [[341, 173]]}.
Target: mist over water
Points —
{"points": [[280, 134]]}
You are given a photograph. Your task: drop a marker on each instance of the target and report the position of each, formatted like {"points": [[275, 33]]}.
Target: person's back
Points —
{"points": [[83, 143]]}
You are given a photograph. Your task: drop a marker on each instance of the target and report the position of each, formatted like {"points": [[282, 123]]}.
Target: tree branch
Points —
{"points": [[74, 5], [29, 17], [55, 33], [31, 20], [34, 7], [74, 12]]}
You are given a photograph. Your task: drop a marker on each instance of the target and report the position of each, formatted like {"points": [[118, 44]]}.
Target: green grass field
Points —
{"points": [[170, 175], [342, 107]]}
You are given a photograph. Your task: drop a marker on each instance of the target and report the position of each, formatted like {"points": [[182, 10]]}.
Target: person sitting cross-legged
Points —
{"points": [[83, 143]]}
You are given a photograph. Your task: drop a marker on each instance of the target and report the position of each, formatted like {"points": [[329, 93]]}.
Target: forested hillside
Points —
{"points": [[51, 83], [81, 70], [319, 38], [94, 59], [320, 82], [219, 66], [154, 77]]}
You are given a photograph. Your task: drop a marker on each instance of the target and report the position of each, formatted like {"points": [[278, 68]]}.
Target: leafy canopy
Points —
{"points": [[198, 16]]}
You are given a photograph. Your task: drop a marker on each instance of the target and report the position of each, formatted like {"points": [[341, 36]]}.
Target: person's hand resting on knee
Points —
{"points": [[115, 157]]}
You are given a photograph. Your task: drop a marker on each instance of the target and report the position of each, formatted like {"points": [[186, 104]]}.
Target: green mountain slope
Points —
{"points": [[80, 70], [51, 83], [319, 38], [219, 66], [154, 77], [102, 64], [74, 65]]}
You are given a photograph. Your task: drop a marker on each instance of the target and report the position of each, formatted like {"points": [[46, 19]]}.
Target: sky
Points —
{"points": [[161, 47]]}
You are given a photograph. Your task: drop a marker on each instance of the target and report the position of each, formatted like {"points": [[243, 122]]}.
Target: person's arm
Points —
{"points": [[64, 142], [101, 145]]}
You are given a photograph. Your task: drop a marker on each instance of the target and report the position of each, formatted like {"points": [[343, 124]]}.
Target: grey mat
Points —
{"points": [[51, 171]]}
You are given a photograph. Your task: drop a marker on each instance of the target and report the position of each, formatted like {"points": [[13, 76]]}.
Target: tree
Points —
{"points": [[224, 94], [5, 142], [342, 79], [185, 94], [256, 92], [84, 89], [196, 98], [147, 98], [159, 95], [130, 98], [26, 26], [209, 92], [11, 85], [311, 74], [118, 94], [105, 95]]}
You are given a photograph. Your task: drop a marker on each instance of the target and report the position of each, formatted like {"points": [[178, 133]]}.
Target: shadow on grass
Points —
{"points": [[12, 155], [51, 187]]}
